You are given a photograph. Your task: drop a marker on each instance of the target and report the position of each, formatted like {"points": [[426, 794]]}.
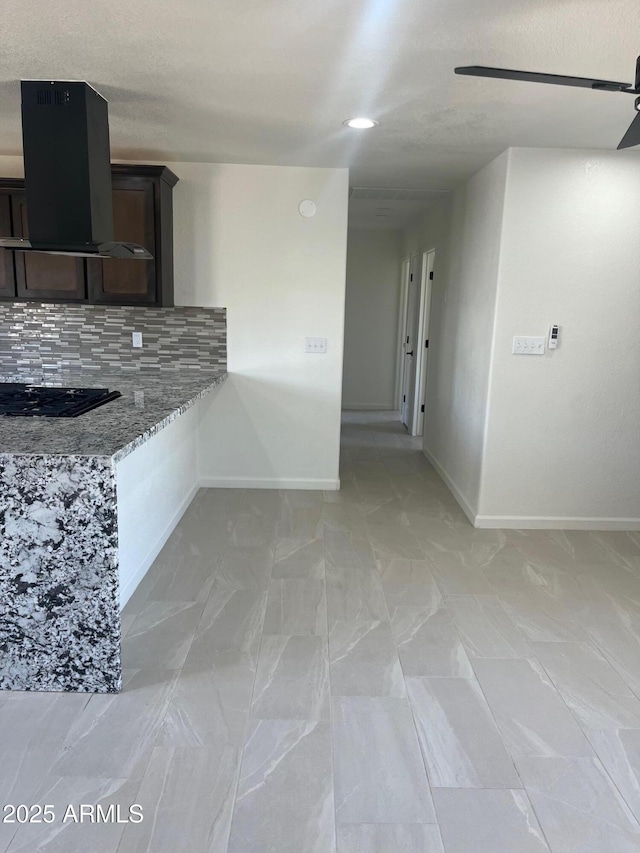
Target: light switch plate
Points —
{"points": [[315, 345], [136, 340], [527, 345]]}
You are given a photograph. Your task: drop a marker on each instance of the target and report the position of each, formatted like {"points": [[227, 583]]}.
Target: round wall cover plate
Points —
{"points": [[307, 207]]}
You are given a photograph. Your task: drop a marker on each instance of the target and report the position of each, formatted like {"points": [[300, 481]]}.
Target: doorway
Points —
{"points": [[415, 312]]}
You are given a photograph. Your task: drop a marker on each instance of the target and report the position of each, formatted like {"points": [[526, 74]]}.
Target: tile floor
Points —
{"points": [[360, 672]]}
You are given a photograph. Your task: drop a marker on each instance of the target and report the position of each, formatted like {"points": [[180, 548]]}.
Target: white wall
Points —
{"points": [[240, 243], [11, 167], [563, 439], [465, 230], [371, 319], [155, 484]]}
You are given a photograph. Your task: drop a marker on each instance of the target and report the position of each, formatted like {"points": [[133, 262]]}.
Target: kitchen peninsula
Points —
{"points": [[63, 485]]}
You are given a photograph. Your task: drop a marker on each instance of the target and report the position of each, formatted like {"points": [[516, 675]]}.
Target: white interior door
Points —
{"points": [[402, 322], [410, 342], [426, 284]]}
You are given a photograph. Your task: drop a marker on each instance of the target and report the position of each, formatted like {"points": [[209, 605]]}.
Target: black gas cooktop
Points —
{"points": [[21, 400]]}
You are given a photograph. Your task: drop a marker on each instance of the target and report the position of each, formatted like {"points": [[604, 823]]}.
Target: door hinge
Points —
{"points": [[407, 338], [431, 276], [426, 343], [422, 408], [411, 277], [404, 398]]}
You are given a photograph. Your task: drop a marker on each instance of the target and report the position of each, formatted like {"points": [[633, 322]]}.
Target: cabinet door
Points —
{"points": [[7, 270], [124, 281], [40, 275]]}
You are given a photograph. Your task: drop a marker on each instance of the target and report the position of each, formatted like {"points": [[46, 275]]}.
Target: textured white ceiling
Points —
{"points": [[270, 81], [382, 208]]}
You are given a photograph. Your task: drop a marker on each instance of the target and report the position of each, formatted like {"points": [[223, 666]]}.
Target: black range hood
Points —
{"points": [[65, 133]]}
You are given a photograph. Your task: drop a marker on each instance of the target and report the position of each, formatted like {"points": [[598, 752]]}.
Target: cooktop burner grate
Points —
{"points": [[21, 400]]}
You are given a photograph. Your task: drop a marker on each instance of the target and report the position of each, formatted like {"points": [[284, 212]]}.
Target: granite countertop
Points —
{"points": [[149, 402]]}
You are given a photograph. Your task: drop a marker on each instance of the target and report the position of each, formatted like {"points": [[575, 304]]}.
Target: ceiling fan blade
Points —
{"points": [[536, 77], [632, 136]]}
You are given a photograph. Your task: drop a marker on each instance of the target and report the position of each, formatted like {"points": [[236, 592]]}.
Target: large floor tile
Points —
{"points": [[486, 630], [161, 635], [531, 716], [389, 838], [364, 660], [453, 533], [35, 727], [255, 526], [460, 742], [394, 540], [578, 806], [344, 518], [435, 534], [619, 752], [408, 583], [590, 686], [231, 621], [620, 583], [614, 628], [220, 503], [296, 606], [66, 834], [204, 530], [428, 643], [379, 773], [509, 571], [476, 821], [245, 567], [114, 734], [285, 794], [458, 573], [187, 799], [388, 515], [551, 547], [297, 520], [210, 703], [543, 618], [298, 558], [184, 572], [348, 550], [281, 599], [355, 594], [292, 681]]}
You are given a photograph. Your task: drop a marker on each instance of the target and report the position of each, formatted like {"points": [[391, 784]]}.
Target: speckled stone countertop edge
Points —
{"points": [[154, 430], [129, 447]]}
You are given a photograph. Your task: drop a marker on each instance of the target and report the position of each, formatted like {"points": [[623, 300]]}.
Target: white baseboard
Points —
{"points": [[268, 483], [466, 507], [534, 522], [127, 591], [366, 407]]}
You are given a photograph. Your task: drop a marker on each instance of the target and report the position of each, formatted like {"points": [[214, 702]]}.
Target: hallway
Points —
{"points": [[359, 671]]}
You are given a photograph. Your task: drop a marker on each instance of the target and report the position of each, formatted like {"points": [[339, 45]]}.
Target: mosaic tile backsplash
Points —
{"points": [[38, 337]]}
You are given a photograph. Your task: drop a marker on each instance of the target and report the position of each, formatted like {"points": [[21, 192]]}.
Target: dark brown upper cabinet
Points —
{"points": [[142, 213], [43, 276]]}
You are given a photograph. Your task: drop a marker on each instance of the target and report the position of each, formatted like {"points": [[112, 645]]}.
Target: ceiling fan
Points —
{"points": [[631, 137]]}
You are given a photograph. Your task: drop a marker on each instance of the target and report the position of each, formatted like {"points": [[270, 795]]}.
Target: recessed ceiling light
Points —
{"points": [[360, 123]]}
